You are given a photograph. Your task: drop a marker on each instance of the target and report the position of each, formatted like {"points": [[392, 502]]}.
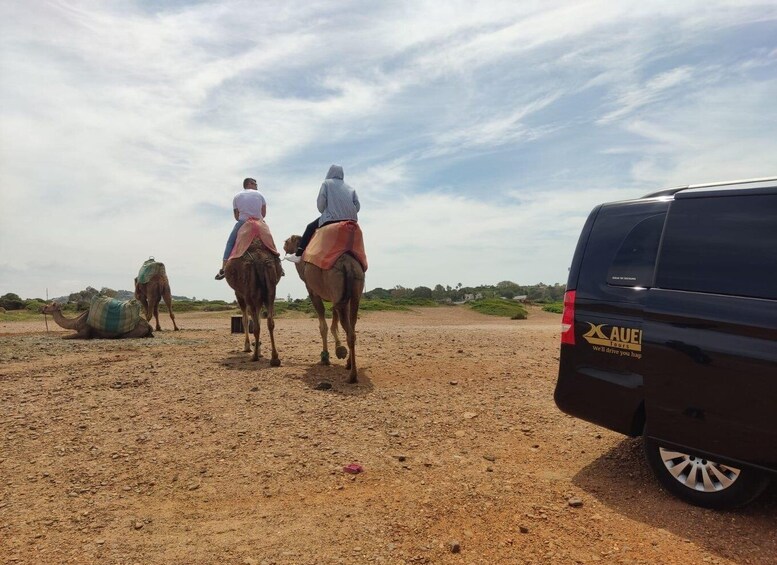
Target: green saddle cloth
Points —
{"points": [[112, 315], [149, 269]]}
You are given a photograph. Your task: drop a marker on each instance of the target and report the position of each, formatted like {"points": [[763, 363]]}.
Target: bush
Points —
{"points": [[11, 301], [380, 306], [554, 307], [498, 307], [34, 305]]}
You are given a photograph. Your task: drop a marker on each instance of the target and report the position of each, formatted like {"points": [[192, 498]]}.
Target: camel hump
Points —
{"points": [[149, 269], [114, 316], [332, 241]]}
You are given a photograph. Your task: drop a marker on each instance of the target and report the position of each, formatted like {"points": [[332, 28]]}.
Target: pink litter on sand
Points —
{"points": [[353, 468]]}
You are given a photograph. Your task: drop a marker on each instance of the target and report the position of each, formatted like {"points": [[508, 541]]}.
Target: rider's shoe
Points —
{"points": [[293, 258], [220, 275]]}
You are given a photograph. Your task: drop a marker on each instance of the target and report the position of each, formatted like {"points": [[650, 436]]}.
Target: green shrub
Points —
{"points": [[555, 307], [11, 301], [34, 305], [381, 306], [497, 307]]}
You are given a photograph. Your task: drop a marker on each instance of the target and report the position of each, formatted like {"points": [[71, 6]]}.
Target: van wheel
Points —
{"points": [[700, 481]]}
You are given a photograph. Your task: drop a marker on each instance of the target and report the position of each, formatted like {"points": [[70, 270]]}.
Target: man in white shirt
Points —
{"points": [[249, 203]]}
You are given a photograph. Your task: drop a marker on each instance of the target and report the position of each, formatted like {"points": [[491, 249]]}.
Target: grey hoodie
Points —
{"points": [[337, 200]]}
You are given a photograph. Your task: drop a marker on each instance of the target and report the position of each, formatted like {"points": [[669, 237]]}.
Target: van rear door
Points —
{"points": [[600, 375]]}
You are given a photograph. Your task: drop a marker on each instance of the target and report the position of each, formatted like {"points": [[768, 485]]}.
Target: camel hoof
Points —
{"points": [[275, 363], [352, 380], [324, 358], [341, 352]]}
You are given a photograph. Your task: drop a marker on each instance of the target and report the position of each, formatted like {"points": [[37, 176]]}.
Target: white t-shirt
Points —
{"points": [[249, 204]]}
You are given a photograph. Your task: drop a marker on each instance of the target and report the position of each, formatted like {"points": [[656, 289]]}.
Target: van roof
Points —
{"points": [[764, 182]]}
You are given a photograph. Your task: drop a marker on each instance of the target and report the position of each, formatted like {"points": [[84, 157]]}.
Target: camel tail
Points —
{"points": [[261, 280]]}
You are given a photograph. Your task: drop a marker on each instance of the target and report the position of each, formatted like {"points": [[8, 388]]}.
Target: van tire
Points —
{"points": [[730, 487]]}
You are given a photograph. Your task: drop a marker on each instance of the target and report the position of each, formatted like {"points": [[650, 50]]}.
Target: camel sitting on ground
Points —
{"points": [[85, 331], [342, 285], [156, 288], [254, 276]]}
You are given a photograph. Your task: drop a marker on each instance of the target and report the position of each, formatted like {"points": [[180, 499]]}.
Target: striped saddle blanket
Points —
{"points": [[112, 315], [252, 229], [149, 269], [331, 241]]}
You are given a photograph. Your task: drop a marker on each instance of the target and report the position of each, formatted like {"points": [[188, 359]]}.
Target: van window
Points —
{"points": [[722, 245], [635, 261]]}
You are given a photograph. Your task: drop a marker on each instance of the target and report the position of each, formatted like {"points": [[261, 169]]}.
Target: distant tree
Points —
{"points": [[400, 291], [81, 300], [34, 305], [11, 301], [109, 292], [422, 292], [377, 294]]}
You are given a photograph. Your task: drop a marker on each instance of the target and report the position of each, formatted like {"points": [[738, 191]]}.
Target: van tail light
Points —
{"points": [[568, 318]]}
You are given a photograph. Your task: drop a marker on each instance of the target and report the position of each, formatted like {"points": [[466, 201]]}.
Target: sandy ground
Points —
{"points": [[179, 449]]}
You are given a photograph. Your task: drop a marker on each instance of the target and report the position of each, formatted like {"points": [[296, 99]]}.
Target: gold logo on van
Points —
{"points": [[616, 337]]}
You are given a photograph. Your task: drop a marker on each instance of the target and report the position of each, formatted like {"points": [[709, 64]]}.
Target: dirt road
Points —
{"points": [[179, 449]]}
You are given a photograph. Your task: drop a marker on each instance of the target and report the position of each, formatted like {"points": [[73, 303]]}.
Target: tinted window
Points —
{"points": [[722, 245], [612, 227], [635, 261]]}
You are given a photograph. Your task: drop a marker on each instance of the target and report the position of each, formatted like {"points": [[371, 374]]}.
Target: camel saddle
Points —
{"points": [[331, 241], [112, 315], [253, 228], [149, 269]]}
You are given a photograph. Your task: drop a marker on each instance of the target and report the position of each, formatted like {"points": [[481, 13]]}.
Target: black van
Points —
{"points": [[669, 331]]}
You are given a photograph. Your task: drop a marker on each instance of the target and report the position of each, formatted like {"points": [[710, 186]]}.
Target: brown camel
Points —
{"points": [[254, 276], [84, 331], [342, 285], [151, 292]]}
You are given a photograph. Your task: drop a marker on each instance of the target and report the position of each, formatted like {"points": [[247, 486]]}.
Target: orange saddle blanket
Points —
{"points": [[331, 241], [249, 231]]}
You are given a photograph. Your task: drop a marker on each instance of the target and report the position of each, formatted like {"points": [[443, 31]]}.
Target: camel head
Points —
{"points": [[51, 307], [290, 245]]}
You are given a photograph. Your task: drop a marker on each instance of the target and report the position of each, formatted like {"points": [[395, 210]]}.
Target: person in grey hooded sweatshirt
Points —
{"points": [[337, 202]]}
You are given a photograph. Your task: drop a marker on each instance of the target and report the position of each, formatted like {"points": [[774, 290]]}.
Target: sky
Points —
{"points": [[478, 136]]}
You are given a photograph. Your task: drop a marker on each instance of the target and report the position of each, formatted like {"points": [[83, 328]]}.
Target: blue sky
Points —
{"points": [[478, 136]]}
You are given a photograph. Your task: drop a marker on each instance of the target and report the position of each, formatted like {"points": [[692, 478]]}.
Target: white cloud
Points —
{"points": [[125, 128]]}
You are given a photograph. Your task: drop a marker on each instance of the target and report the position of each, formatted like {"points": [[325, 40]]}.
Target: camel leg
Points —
{"points": [[144, 303], [340, 351], [168, 298], [274, 360], [318, 305], [153, 298], [156, 316], [78, 335], [242, 303], [350, 335], [83, 333], [141, 330], [255, 309]]}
